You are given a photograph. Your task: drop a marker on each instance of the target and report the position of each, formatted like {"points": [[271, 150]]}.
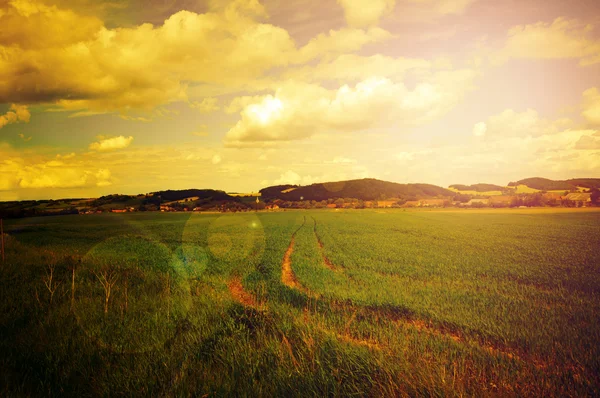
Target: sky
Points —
{"points": [[135, 96]]}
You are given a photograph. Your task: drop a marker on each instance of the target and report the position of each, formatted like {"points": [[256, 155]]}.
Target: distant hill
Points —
{"points": [[201, 194], [545, 184], [365, 189], [275, 191], [478, 187]]}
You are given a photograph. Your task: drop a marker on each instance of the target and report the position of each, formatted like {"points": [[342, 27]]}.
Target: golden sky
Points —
{"points": [[134, 96]]}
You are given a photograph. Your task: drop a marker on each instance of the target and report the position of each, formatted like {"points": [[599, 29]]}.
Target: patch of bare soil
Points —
{"points": [[288, 277], [287, 274], [240, 295]]}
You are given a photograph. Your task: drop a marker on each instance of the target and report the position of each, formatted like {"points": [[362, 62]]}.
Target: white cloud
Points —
{"points": [[289, 177], [90, 68], [562, 38], [15, 114], [479, 129], [33, 171], [109, 144], [587, 142], [591, 106], [298, 111], [510, 123]]}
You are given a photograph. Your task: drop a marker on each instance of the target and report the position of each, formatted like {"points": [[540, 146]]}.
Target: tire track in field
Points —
{"points": [[326, 260], [396, 316], [288, 277], [240, 295]]}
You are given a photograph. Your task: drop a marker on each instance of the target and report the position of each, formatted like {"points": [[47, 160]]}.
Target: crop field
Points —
{"points": [[303, 303]]}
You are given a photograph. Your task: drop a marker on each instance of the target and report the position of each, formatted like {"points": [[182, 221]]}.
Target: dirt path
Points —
{"points": [[288, 277], [240, 295]]}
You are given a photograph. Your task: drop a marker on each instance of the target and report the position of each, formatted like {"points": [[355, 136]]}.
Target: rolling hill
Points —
{"points": [[478, 187], [545, 184], [364, 189]]}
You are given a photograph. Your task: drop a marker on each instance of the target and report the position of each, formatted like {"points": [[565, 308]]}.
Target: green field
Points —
{"points": [[303, 303]]}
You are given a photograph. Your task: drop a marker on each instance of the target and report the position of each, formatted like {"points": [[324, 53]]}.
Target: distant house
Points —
{"points": [[119, 210], [501, 200], [412, 203], [582, 199], [272, 207], [331, 206], [386, 203], [552, 196], [433, 202], [477, 202]]}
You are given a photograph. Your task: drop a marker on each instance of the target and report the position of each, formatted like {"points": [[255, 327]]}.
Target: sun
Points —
{"points": [[266, 111]]}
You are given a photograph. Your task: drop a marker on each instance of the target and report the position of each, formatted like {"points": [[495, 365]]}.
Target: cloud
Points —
{"points": [[510, 123], [55, 174], [498, 161], [24, 138], [587, 142], [365, 13], [110, 144], [16, 114], [591, 106], [352, 67], [90, 68], [298, 110], [479, 129], [33, 25], [35, 171], [216, 159], [561, 39], [289, 177], [345, 40], [208, 105]]}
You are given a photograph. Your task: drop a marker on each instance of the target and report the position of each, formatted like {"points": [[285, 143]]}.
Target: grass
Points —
{"points": [[387, 303]]}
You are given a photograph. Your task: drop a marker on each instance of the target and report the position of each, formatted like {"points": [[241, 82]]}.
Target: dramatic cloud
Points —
{"points": [[109, 144], [298, 111], [562, 38], [365, 13], [90, 67], [591, 106], [16, 114]]}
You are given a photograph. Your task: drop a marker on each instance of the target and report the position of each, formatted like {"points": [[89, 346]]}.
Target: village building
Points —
{"points": [[580, 198], [477, 202]]}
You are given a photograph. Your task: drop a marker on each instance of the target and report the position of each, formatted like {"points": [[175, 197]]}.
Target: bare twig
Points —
{"points": [[107, 278]]}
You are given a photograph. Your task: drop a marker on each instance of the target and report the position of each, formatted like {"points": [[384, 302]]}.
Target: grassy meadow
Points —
{"points": [[303, 303]]}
